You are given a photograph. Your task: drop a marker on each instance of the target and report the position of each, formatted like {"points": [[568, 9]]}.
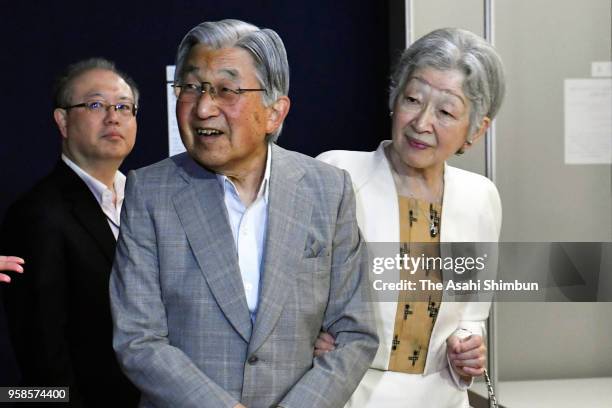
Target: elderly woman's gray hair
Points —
{"points": [[264, 45], [461, 50]]}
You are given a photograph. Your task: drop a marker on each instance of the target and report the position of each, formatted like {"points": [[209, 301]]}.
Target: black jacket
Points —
{"points": [[58, 310]]}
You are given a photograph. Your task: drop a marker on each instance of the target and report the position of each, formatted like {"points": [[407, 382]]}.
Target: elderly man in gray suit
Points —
{"points": [[233, 256]]}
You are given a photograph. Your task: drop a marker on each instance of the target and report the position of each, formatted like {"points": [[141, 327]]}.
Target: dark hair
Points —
{"points": [[62, 89]]}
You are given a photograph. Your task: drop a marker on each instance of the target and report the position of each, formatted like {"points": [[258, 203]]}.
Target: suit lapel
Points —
{"points": [[289, 214], [202, 213], [85, 209], [379, 219]]}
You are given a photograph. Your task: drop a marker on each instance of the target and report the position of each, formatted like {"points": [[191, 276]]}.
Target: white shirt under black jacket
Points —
{"points": [[103, 195]]}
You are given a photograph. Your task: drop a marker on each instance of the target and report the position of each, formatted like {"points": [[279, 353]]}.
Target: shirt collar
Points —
{"points": [[96, 186], [263, 187]]}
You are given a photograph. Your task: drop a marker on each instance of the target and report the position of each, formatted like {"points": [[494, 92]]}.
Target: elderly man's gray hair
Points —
{"points": [[62, 89], [264, 45], [453, 48]]}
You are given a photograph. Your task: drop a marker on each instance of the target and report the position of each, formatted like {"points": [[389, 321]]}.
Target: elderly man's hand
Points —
{"points": [[10, 263], [467, 356], [325, 343]]}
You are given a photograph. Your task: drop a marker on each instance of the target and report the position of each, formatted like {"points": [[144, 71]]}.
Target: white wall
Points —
{"points": [[542, 42]]}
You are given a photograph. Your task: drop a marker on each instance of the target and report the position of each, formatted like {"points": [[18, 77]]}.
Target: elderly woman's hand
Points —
{"points": [[325, 343], [467, 356]]}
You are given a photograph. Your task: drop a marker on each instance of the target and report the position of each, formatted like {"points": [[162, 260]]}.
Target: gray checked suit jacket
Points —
{"points": [[182, 329]]}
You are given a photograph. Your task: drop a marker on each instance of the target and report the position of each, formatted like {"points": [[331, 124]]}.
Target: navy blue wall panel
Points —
{"points": [[338, 55]]}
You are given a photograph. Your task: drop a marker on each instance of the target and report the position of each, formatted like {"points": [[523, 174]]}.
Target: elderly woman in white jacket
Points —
{"points": [[445, 90]]}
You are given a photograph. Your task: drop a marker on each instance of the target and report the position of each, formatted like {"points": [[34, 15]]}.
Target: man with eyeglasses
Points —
{"points": [[235, 254], [66, 228]]}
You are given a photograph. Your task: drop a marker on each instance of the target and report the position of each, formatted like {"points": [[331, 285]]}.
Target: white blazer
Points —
{"points": [[471, 212]]}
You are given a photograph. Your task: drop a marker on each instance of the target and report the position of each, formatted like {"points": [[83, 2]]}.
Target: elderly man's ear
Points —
{"points": [[277, 112]]}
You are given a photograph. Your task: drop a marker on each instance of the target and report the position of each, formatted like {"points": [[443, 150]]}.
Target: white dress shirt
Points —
{"points": [[103, 195], [249, 231]]}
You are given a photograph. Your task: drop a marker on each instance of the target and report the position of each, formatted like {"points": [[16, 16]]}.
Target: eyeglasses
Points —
{"points": [[190, 93], [99, 107]]}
